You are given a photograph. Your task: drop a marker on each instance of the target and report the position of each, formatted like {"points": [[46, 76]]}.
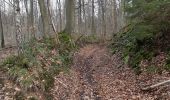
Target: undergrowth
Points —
{"points": [[132, 51], [34, 70], [146, 33], [82, 40]]}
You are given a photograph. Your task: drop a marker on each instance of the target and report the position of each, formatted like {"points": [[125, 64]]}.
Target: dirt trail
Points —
{"points": [[97, 75]]}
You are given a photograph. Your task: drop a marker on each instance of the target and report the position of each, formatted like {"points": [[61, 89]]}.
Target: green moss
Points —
{"points": [[167, 65], [152, 69]]}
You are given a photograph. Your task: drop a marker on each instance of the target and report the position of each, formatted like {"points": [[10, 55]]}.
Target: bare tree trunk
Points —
{"points": [[52, 23], [28, 17], [115, 17], [18, 27], [122, 13], [93, 15], [60, 13], [103, 7], [32, 18], [44, 16], [80, 16], [99, 17], [69, 16], [84, 15], [1, 31], [50, 17]]}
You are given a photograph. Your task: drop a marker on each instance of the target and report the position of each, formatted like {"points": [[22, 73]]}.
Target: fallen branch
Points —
{"points": [[156, 85], [62, 83]]}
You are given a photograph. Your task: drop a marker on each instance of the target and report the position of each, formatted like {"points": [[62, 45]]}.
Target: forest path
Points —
{"points": [[96, 74]]}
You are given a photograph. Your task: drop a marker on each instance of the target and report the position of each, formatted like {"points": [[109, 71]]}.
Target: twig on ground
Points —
{"points": [[62, 83], [156, 85]]}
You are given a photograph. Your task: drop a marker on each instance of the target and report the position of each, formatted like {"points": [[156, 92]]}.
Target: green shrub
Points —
{"points": [[152, 69], [147, 33], [41, 60], [167, 65], [87, 39]]}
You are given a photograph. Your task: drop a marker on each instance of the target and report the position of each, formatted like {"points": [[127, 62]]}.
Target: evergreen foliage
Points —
{"points": [[147, 31]]}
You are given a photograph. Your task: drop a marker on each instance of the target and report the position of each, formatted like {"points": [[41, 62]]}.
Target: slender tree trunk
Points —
{"points": [[60, 13], [1, 31], [122, 10], [32, 18], [84, 15], [52, 23], [18, 27], [69, 16], [50, 16], [93, 15], [99, 17], [115, 17], [80, 16], [28, 17], [103, 7], [44, 16]]}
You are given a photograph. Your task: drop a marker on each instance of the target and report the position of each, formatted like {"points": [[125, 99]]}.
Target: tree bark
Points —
{"points": [[69, 16], [1, 31], [103, 7], [32, 18], [60, 13], [18, 27], [115, 17], [52, 23], [80, 16], [44, 16], [84, 15], [93, 15], [28, 17]]}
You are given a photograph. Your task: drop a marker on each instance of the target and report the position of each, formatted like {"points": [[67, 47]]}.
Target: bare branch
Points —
{"points": [[156, 85]]}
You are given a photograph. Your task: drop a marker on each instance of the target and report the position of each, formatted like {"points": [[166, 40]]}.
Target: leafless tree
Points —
{"points": [[1, 31], [69, 15]]}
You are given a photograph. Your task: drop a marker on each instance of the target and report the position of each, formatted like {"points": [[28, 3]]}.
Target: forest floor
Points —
{"points": [[6, 87], [96, 74]]}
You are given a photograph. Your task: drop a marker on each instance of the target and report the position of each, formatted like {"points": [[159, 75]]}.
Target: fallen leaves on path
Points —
{"points": [[98, 75]]}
